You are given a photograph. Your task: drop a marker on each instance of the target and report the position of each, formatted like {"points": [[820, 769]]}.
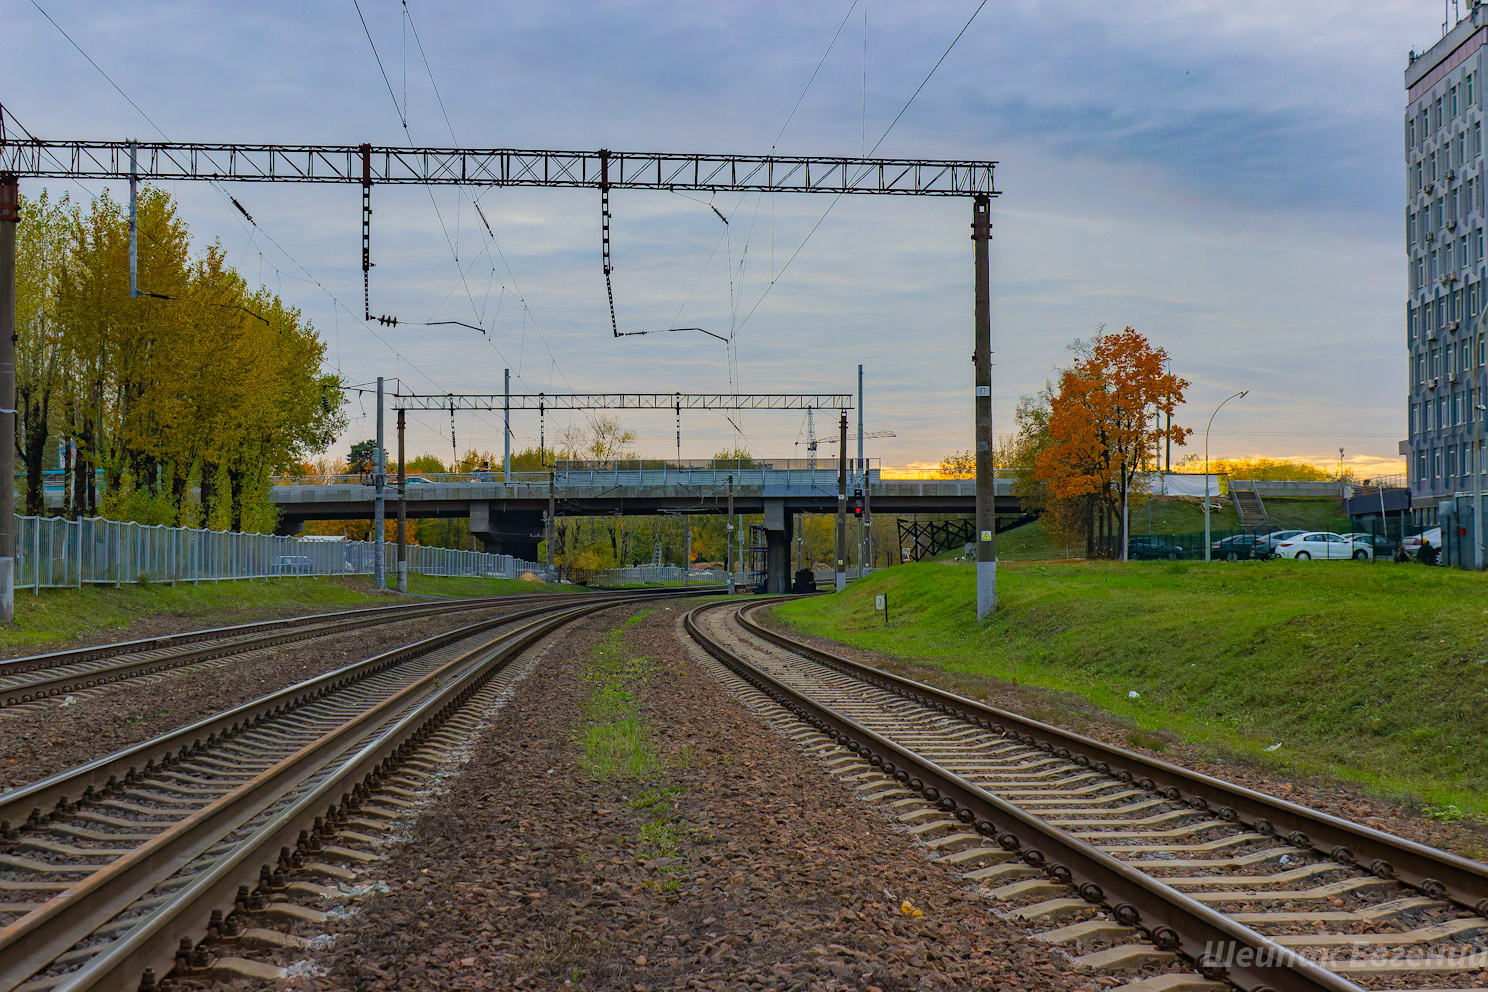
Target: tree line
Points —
{"points": [[176, 406], [1081, 447]]}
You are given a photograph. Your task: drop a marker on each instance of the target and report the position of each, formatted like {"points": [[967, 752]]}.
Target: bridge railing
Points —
{"points": [[52, 552], [654, 574]]}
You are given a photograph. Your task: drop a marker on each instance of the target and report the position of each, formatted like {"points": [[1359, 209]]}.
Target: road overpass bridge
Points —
{"points": [[508, 516]]}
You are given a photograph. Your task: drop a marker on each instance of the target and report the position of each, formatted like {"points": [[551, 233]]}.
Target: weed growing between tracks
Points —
{"points": [[1374, 673], [618, 744]]}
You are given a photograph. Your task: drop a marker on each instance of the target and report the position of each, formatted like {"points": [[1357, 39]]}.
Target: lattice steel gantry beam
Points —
{"points": [[390, 164], [373, 164], [623, 401]]}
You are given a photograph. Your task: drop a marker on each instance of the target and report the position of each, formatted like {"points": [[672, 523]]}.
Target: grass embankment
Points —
{"points": [[1372, 673], [62, 614], [1168, 515], [617, 744]]}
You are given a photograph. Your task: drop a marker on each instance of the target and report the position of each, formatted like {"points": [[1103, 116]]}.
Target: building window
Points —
{"points": [[1413, 419], [1410, 133], [1433, 270], [1436, 115], [1436, 463], [1469, 84], [1431, 166], [1430, 412], [1453, 95], [1435, 362], [1452, 202], [1451, 460], [1461, 147], [1421, 368], [1420, 467], [1477, 139]]}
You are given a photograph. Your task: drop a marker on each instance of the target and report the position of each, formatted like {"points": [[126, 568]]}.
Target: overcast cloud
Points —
{"points": [[1223, 177]]}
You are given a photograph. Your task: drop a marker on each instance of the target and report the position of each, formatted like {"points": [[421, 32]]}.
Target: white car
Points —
{"points": [[1322, 544], [1270, 541]]}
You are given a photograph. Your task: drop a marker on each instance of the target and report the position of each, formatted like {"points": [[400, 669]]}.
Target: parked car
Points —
{"points": [[293, 565], [1322, 544], [1381, 545], [1277, 536], [418, 480], [1239, 546], [1146, 548]]}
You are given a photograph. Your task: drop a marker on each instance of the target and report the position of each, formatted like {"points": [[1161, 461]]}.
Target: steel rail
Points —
{"points": [[153, 943], [32, 942], [48, 682], [92, 652], [101, 775], [1171, 919], [1435, 873]]}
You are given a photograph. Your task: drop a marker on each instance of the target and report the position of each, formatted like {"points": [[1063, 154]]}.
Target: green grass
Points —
{"points": [[616, 742], [615, 739], [61, 614], [1372, 673]]}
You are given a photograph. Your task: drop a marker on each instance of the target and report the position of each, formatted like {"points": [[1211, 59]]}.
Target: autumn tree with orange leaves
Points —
{"points": [[1102, 428]]}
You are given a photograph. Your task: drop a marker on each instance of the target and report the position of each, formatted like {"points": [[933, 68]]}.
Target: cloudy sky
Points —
{"points": [[1224, 177]]}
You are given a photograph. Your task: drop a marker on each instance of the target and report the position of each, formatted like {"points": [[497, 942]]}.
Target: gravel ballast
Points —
{"points": [[737, 863], [38, 740]]}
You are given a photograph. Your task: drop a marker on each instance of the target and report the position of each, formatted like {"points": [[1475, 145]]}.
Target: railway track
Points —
{"points": [[106, 869], [1135, 865], [42, 677]]}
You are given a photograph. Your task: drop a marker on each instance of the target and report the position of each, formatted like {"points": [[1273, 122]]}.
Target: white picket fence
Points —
{"points": [[52, 552]]}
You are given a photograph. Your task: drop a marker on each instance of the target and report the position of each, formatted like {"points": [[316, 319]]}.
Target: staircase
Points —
{"points": [[1248, 505]]}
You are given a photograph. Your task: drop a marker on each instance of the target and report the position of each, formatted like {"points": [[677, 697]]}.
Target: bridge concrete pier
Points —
{"points": [[778, 528], [506, 532]]}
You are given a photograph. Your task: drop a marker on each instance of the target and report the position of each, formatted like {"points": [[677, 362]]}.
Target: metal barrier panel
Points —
{"points": [[52, 552]]}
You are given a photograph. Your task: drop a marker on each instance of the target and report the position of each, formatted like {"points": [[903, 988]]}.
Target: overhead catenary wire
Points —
{"points": [[836, 199], [255, 228]]}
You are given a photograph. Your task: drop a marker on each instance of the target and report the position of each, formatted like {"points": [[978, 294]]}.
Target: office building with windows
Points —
{"points": [[1444, 220]]}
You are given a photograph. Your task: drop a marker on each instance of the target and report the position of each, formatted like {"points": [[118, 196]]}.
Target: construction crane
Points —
{"points": [[869, 434], [812, 441]]}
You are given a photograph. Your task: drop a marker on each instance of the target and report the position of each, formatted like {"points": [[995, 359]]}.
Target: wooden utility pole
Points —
{"points": [[842, 505], [986, 489]]}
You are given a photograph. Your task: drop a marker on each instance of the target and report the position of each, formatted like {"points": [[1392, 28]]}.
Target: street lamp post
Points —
{"points": [[1208, 555]]}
